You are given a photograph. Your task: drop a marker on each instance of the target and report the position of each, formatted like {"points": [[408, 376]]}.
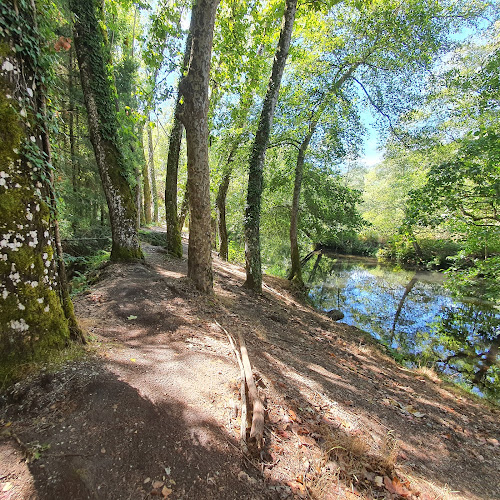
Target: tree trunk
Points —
{"points": [[315, 267], [103, 128], [194, 88], [296, 271], [63, 287], [146, 183], [184, 209], [174, 243], [152, 174], [221, 214], [256, 165], [75, 174], [32, 315]]}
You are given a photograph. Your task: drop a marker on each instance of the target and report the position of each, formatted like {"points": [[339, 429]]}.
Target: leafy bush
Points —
{"points": [[435, 253], [154, 238]]}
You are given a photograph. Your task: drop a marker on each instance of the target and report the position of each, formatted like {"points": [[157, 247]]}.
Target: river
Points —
{"points": [[411, 313]]}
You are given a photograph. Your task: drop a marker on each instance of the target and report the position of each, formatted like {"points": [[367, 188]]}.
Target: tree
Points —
{"points": [[152, 172], [369, 46], [239, 43], [34, 317], [194, 90], [92, 53], [256, 163], [174, 242]]}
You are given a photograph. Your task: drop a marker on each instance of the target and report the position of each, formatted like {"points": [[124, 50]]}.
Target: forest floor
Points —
{"points": [[152, 409]]}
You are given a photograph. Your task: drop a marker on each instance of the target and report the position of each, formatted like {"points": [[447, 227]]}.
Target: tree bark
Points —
{"points": [[221, 214], [194, 115], [408, 289], [253, 264], [152, 174], [32, 315], [75, 331], [296, 271], [146, 185], [103, 126], [184, 209], [174, 243], [75, 174]]}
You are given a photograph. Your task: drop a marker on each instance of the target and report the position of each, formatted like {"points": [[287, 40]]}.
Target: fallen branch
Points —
{"points": [[257, 429], [243, 394]]}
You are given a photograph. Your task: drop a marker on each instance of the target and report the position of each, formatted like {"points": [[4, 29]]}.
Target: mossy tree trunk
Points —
{"points": [[194, 115], [100, 99], [184, 209], [32, 315], [253, 264], [174, 243]]}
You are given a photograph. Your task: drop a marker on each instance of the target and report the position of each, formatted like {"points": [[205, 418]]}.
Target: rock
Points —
{"points": [[335, 314]]}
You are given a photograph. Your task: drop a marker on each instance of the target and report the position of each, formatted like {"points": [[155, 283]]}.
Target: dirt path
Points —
{"points": [[152, 411]]}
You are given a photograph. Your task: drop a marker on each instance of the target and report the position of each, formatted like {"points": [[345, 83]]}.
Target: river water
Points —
{"points": [[409, 311]]}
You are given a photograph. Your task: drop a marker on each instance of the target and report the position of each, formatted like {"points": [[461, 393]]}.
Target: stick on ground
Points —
{"points": [[257, 429]]}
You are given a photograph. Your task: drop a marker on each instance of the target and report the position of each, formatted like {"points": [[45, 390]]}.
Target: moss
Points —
{"points": [[10, 133], [31, 316], [50, 359], [125, 254]]}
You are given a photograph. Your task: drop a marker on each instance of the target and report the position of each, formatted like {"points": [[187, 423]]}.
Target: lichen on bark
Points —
{"points": [[32, 320]]}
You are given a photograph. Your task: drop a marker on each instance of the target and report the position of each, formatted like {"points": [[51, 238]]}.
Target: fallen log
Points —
{"points": [[243, 394], [257, 429]]}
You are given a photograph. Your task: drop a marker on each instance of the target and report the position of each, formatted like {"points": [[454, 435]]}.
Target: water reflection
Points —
{"points": [[412, 314]]}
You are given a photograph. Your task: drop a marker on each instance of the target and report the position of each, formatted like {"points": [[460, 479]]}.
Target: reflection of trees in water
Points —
{"points": [[467, 341], [408, 289], [413, 315]]}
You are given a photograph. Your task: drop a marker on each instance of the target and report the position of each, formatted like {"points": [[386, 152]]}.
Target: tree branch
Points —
{"points": [[379, 110]]}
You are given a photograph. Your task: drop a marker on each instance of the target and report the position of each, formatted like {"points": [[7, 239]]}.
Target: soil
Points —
{"points": [[153, 411]]}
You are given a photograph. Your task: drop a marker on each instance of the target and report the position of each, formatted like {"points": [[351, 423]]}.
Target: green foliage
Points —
{"points": [[84, 270], [152, 237], [435, 253], [331, 208], [466, 334], [476, 278]]}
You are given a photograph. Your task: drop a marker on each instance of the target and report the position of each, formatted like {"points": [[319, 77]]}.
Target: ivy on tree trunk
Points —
{"points": [[100, 101], [146, 184], [32, 313], [152, 173], [256, 165]]}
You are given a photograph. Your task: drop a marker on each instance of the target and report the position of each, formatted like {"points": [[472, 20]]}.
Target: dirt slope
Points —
{"points": [[153, 410]]}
